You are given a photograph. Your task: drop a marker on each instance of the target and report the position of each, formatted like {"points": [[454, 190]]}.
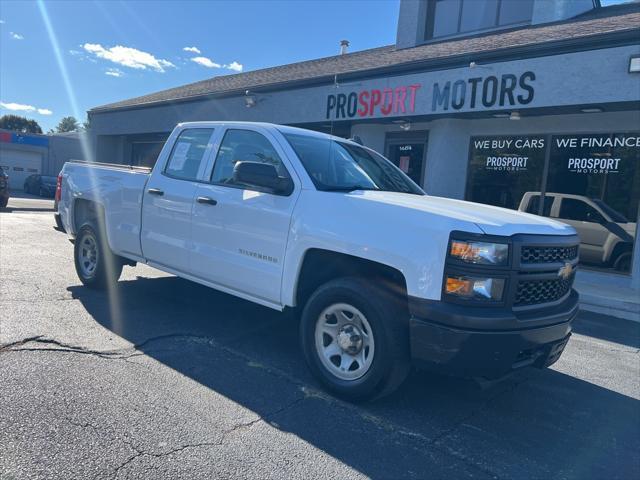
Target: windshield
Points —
{"points": [[342, 167], [614, 214]]}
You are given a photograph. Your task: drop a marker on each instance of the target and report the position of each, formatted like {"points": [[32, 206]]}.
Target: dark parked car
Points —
{"points": [[43, 185], [4, 188]]}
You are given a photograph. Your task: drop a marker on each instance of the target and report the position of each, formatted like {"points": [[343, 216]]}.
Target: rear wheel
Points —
{"points": [[355, 339], [96, 265], [623, 262]]}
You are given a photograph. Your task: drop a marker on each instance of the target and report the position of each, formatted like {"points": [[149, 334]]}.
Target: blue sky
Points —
{"points": [[253, 34], [112, 50]]}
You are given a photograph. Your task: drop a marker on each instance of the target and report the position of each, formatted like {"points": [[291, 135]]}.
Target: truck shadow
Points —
{"points": [[534, 424]]}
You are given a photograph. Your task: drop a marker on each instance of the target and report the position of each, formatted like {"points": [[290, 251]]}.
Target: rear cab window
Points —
{"points": [[188, 154]]}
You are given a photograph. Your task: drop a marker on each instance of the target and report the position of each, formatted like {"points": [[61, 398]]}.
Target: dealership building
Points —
{"points": [[486, 101]]}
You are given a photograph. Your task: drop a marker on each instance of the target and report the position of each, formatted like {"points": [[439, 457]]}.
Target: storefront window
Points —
{"points": [[593, 184], [503, 169]]}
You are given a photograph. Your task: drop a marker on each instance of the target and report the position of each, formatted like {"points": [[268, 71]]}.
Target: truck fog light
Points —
{"points": [[474, 287]]}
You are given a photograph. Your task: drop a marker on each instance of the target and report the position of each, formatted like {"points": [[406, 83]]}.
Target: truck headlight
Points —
{"points": [[480, 288], [483, 253]]}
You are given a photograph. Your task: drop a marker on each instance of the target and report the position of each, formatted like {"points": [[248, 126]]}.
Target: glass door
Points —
{"points": [[408, 154]]}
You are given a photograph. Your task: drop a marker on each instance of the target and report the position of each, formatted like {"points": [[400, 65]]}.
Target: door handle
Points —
{"points": [[206, 200], [155, 191]]}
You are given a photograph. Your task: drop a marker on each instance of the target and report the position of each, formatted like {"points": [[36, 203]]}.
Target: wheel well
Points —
{"points": [[85, 211], [320, 266], [619, 249]]}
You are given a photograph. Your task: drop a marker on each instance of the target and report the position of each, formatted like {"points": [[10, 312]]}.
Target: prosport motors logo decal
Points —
{"points": [[593, 165]]}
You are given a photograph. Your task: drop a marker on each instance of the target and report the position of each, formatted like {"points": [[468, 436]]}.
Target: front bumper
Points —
{"points": [[439, 342]]}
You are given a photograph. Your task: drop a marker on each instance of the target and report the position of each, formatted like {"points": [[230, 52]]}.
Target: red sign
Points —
{"points": [[370, 103]]}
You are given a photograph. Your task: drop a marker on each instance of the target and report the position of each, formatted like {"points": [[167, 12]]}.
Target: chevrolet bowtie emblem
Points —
{"points": [[566, 271]]}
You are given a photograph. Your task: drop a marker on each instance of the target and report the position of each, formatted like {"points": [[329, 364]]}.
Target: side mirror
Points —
{"points": [[262, 175]]}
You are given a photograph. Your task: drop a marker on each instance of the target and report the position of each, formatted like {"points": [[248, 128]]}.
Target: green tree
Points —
{"points": [[67, 124], [19, 124], [86, 125]]}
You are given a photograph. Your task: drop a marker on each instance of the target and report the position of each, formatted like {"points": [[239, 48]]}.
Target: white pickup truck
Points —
{"points": [[381, 274]]}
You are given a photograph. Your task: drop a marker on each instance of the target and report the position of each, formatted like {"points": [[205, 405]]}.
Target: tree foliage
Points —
{"points": [[19, 124], [68, 124]]}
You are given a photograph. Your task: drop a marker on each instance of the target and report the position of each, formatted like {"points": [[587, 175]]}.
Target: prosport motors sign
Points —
{"points": [[468, 94], [595, 154]]}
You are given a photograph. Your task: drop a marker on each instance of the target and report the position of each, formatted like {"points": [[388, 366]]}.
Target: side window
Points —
{"points": [[244, 146], [534, 205], [573, 209], [188, 153]]}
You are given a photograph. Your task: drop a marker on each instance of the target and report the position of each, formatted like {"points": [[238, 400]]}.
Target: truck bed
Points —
{"points": [[118, 189]]}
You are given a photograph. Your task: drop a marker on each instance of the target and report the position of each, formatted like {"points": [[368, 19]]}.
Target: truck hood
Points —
{"points": [[491, 220]]}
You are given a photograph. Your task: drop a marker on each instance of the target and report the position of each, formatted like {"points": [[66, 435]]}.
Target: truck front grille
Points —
{"points": [[532, 292], [548, 254]]}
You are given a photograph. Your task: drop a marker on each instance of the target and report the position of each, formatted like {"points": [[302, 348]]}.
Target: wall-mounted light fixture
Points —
{"points": [[514, 116], [592, 110], [501, 115], [249, 99], [634, 64], [403, 124]]}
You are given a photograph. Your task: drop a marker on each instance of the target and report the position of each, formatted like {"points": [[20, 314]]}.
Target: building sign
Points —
{"points": [[372, 103], [504, 91], [508, 90], [24, 139]]}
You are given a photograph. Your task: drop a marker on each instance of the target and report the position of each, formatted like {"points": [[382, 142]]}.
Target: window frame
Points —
{"points": [[204, 161], [208, 174], [430, 23]]}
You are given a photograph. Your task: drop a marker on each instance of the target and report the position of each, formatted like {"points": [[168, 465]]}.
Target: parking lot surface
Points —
{"points": [[163, 378]]}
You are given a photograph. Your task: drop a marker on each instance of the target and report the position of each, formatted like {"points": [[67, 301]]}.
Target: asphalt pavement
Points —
{"points": [[162, 378]]}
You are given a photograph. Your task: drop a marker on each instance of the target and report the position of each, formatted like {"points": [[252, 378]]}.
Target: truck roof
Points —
{"points": [[270, 126]]}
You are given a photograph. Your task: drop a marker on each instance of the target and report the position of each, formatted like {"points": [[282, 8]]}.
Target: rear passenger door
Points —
{"points": [[240, 233], [168, 200]]}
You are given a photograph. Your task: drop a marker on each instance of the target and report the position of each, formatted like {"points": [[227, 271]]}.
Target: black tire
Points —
{"points": [[389, 323], [107, 267], [623, 262]]}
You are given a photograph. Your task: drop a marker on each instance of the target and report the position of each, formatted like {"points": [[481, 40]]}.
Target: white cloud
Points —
{"points": [[128, 57], [206, 62], [17, 107], [16, 36], [192, 49], [1, 21], [114, 72], [235, 66], [21, 107], [75, 53]]}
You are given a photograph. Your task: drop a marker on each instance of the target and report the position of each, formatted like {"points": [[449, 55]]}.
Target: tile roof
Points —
{"points": [[601, 21]]}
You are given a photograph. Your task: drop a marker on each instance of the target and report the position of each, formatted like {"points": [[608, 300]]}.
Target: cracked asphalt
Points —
{"points": [[163, 378]]}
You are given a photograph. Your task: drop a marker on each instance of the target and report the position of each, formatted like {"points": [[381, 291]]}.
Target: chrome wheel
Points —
{"points": [[88, 255], [344, 341]]}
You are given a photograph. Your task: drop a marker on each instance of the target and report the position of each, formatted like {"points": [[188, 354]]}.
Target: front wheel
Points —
{"points": [[96, 266], [355, 339]]}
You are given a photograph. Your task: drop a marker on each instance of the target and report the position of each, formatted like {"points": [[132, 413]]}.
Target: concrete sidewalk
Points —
{"points": [[609, 298], [20, 201]]}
